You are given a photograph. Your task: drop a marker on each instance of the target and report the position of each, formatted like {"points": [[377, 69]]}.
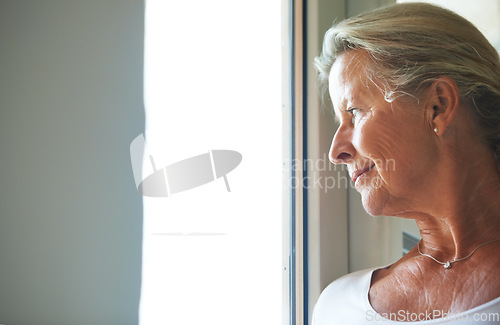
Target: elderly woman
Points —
{"points": [[416, 91]]}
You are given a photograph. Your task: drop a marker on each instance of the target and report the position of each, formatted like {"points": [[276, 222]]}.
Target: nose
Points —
{"points": [[342, 150]]}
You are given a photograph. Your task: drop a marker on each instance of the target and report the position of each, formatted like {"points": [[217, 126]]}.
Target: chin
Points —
{"points": [[372, 210], [374, 202]]}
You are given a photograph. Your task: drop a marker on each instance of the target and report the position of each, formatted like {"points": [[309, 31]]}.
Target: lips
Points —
{"points": [[359, 172]]}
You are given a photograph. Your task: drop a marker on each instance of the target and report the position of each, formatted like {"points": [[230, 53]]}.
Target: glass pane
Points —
{"points": [[212, 152]]}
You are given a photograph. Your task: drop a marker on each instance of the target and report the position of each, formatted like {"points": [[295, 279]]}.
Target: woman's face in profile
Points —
{"points": [[389, 147]]}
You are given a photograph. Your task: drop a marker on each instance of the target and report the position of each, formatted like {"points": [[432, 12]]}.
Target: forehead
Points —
{"points": [[348, 79]]}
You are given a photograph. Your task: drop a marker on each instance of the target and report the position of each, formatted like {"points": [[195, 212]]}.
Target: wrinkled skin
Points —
{"points": [[421, 158]]}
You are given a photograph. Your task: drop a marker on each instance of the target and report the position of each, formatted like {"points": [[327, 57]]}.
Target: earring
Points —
{"points": [[436, 130]]}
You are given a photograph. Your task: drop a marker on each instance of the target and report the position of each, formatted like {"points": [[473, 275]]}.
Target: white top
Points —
{"points": [[345, 302]]}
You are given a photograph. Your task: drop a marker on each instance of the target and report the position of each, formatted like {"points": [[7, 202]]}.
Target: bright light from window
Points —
{"points": [[213, 82]]}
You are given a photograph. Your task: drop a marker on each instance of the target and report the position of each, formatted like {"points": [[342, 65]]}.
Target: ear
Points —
{"points": [[443, 102]]}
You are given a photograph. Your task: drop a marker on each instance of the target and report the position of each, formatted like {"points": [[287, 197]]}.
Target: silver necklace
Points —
{"points": [[447, 264]]}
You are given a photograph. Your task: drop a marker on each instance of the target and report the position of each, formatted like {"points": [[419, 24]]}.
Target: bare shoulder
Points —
{"points": [[480, 276], [418, 285], [394, 288]]}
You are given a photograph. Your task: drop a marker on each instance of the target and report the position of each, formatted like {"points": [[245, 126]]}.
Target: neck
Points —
{"points": [[467, 214]]}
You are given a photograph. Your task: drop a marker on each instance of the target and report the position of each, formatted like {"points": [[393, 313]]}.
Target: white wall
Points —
{"points": [[70, 216]]}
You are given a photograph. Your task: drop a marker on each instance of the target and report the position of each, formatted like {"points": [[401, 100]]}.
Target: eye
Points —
{"points": [[354, 112]]}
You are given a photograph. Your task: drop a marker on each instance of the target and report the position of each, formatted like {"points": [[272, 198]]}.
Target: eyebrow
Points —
{"points": [[344, 103]]}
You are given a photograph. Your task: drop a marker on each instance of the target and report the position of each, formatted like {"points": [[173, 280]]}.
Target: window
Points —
{"points": [[212, 248]]}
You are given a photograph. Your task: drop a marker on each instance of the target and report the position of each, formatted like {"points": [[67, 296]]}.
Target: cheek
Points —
{"points": [[398, 154], [380, 143]]}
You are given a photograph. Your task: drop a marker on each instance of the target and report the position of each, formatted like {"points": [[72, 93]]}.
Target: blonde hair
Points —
{"points": [[411, 45]]}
